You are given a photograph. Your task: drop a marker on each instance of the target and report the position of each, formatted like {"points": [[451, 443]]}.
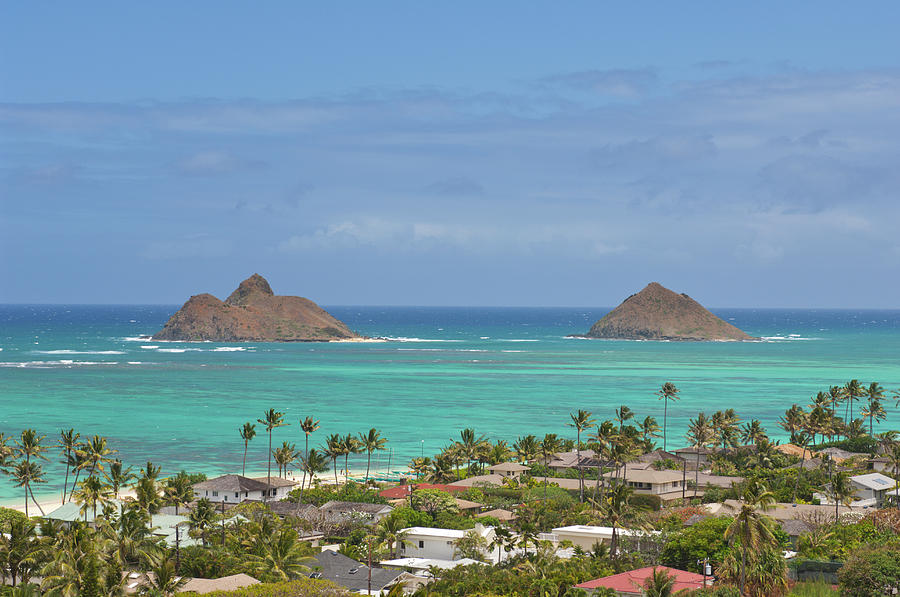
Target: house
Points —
{"points": [[203, 586], [562, 461], [500, 514], [236, 489], [468, 507], [423, 565], [162, 526], [437, 544], [838, 455], [352, 575], [870, 489], [403, 491], [347, 510], [783, 511], [881, 464], [585, 536], [509, 469], [628, 584], [665, 484], [691, 454]]}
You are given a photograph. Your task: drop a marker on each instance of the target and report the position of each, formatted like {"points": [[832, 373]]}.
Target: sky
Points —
{"points": [[465, 153]]}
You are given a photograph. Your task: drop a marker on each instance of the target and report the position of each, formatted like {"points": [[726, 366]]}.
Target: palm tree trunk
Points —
{"points": [[244, 465], [34, 500], [580, 471], [799, 472], [66, 482], [269, 467], [743, 568], [368, 463], [697, 473], [334, 466], [346, 468]]}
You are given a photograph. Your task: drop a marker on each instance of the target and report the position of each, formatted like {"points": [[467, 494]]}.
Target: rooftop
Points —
{"points": [[226, 583], [349, 573], [631, 583], [231, 483], [509, 467], [875, 481], [336, 506]]}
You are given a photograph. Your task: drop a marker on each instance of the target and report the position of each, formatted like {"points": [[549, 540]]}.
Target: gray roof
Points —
{"points": [[794, 527], [231, 483], [337, 568], [365, 508], [285, 508]]}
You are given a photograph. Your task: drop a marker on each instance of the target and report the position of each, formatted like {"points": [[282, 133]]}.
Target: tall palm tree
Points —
{"points": [[526, 448], [349, 445], [841, 491], [753, 432], [68, 442], [623, 414], [284, 456], [333, 450], [308, 426], [26, 473], [313, 463], [615, 508], [803, 439], [751, 529], [179, 490], [389, 532], [248, 432], [548, 447], [20, 550], [650, 429], [271, 419], [852, 390], [284, 557], [469, 443], [605, 438], [667, 393], [441, 470], [371, 442], [119, 476], [91, 492], [96, 453], [829, 400], [793, 421], [659, 584], [700, 434], [28, 446], [581, 421]]}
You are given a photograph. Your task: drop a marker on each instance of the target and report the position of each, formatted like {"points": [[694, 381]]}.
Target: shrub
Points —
{"points": [[646, 501], [871, 571], [305, 587], [8, 515]]}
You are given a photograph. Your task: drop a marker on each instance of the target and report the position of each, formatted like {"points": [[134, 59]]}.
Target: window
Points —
{"points": [[421, 544], [215, 494], [236, 495]]}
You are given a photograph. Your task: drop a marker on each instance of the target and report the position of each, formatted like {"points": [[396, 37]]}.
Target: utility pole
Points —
{"points": [[177, 550], [369, 544], [223, 523], [683, 479]]}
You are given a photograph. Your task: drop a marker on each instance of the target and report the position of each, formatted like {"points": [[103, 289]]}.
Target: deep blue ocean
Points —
{"points": [[506, 372]]}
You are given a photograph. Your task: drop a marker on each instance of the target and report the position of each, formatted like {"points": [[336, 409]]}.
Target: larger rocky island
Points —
{"points": [[657, 313], [254, 314]]}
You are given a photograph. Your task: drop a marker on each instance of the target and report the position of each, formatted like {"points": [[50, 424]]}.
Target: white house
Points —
{"points": [[437, 544], [234, 489], [509, 469], [868, 490], [585, 536]]}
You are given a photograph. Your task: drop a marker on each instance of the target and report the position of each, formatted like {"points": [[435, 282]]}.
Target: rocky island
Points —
{"points": [[253, 313], [657, 313]]}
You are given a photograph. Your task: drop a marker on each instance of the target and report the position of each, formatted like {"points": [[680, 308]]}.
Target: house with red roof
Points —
{"points": [[631, 584], [403, 491]]}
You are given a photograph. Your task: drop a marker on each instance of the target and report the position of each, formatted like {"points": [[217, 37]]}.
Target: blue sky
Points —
{"points": [[507, 153]]}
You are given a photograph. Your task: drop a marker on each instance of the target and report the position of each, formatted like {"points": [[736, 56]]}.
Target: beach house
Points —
{"points": [[235, 489], [586, 536], [437, 544], [870, 489]]}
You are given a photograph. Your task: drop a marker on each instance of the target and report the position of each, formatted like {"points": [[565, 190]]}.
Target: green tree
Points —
{"points": [[271, 419], [68, 442], [25, 474], [840, 490], [119, 476], [164, 580], [349, 445], [751, 529], [283, 557], [308, 426], [248, 432], [333, 450], [705, 539], [700, 435], [433, 502], [313, 463], [581, 421], [91, 492], [370, 442], [852, 391], [871, 571], [667, 393], [389, 532], [202, 519]]}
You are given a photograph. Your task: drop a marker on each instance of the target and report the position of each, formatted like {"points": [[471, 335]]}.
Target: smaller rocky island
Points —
{"points": [[657, 313], [253, 313]]}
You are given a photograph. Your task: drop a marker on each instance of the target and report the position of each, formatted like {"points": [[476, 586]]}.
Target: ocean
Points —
{"points": [[506, 372]]}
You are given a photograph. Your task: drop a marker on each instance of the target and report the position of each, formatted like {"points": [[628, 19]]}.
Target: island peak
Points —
{"points": [[253, 313], [657, 313]]}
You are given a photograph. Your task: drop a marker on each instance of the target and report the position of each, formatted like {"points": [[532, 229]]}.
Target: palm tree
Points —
{"points": [[349, 445], [851, 391], [370, 442], [68, 442], [25, 474], [753, 432], [581, 421], [119, 477], [666, 393], [284, 456], [526, 448], [308, 426], [283, 557], [549, 446], [420, 466], [615, 507], [332, 449], [271, 419], [164, 582], [660, 584], [179, 490], [700, 434], [469, 443], [623, 413], [313, 463], [202, 519], [92, 491], [96, 452], [503, 541], [248, 432], [605, 437], [841, 491], [894, 456], [803, 438], [20, 549], [874, 409], [793, 421], [441, 470], [389, 531], [650, 429], [751, 529]]}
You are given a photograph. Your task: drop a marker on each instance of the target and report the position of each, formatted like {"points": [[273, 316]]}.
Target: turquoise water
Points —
{"points": [[504, 372]]}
